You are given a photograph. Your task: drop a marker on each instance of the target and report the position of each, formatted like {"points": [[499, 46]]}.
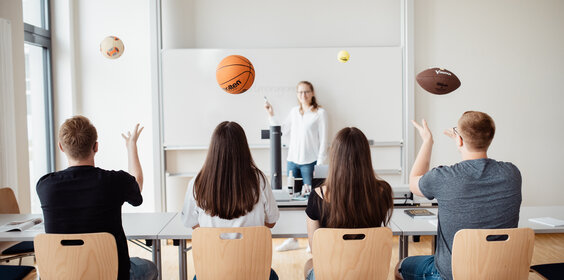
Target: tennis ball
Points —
{"points": [[343, 56]]}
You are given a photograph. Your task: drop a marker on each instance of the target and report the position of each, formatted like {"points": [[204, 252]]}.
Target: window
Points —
{"points": [[37, 50]]}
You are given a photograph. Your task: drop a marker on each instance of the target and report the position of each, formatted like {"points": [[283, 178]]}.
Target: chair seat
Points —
{"points": [[22, 247], [13, 272], [550, 271]]}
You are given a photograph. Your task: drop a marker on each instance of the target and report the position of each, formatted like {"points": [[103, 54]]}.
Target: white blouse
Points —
{"points": [[308, 135], [266, 210]]}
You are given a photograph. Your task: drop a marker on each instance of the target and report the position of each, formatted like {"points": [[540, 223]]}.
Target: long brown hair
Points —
{"points": [[355, 197], [229, 183], [313, 104]]}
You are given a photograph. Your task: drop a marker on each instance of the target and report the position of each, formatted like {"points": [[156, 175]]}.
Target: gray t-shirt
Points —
{"points": [[472, 194]]}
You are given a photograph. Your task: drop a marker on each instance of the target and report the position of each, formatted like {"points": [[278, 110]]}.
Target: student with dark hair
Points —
{"points": [[476, 193], [86, 199], [229, 190], [352, 196]]}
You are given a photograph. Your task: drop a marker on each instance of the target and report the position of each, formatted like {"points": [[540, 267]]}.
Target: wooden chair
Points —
{"points": [[478, 254], [12, 250], [217, 257], [8, 202], [76, 256], [362, 253]]}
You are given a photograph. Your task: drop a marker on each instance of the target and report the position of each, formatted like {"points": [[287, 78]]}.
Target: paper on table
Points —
{"points": [[20, 225], [548, 221], [434, 222]]}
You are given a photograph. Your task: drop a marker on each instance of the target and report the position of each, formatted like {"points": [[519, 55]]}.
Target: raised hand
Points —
{"points": [[268, 108], [134, 166], [423, 130], [131, 138], [450, 133]]}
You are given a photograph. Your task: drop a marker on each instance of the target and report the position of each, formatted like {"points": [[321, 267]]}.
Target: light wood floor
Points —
{"points": [[549, 248], [289, 265]]}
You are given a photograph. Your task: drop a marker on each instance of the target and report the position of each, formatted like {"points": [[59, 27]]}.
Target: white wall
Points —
{"points": [[114, 94], [12, 10], [509, 57], [280, 24]]}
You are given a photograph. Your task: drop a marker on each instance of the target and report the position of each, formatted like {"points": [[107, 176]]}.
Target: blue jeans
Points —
{"points": [[273, 275], [310, 275], [419, 268], [142, 269], [304, 171]]}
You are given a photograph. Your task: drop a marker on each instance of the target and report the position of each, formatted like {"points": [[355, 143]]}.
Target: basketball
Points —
{"points": [[235, 74], [112, 47], [343, 56]]}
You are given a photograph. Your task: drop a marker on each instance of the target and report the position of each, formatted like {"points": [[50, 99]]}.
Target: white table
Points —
{"points": [[292, 223], [538, 212], [135, 226], [410, 226], [147, 226], [17, 236]]}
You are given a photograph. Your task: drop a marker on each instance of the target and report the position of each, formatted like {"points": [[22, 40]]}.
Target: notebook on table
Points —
{"points": [[420, 213], [548, 221]]}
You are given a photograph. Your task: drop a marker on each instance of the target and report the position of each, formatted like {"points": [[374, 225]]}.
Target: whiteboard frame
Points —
{"points": [[159, 168]]}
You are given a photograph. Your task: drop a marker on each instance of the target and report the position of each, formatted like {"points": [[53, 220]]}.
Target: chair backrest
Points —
{"points": [[492, 253], [218, 257], [76, 256], [362, 253], [8, 202]]}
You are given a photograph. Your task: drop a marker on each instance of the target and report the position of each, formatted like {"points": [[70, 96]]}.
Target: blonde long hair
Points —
{"points": [[314, 104]]}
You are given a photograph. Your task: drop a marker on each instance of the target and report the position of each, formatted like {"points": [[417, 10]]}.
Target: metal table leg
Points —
{"points": [[434, 244], [182, 266], [403, 246], [157, 256]]}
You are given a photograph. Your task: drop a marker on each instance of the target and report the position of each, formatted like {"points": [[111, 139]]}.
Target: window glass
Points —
{"points": [[34, 12], [37, 128]]}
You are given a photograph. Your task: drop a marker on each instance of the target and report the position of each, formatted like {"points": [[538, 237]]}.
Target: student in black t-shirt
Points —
{"points": [[352, 196], [85, 199]]}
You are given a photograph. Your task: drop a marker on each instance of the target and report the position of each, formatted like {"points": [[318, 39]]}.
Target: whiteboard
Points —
{"points": [[365, 92]]}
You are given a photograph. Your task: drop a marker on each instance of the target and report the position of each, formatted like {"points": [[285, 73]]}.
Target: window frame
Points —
{"points": [[41, 37]]}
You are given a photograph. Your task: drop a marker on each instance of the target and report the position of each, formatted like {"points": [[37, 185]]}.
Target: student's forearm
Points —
{"points": [[134, 166], [312, 225], [420, 167], [423, 160]]}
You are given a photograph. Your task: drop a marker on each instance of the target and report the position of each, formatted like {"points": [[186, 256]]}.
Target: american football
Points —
{"points": [[438, 81]]}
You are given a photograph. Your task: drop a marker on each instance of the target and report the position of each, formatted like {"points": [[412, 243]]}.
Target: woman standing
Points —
{"points": [[352, 196], [306, 124]]}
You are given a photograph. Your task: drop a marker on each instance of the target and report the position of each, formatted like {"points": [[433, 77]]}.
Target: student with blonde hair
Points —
{"points": [[84, 198], [352, 196], [478, 192], [306, 124]]}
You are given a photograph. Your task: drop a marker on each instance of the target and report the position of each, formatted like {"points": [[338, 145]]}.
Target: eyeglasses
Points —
{"points": [[456, 132], [304, 92]]}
